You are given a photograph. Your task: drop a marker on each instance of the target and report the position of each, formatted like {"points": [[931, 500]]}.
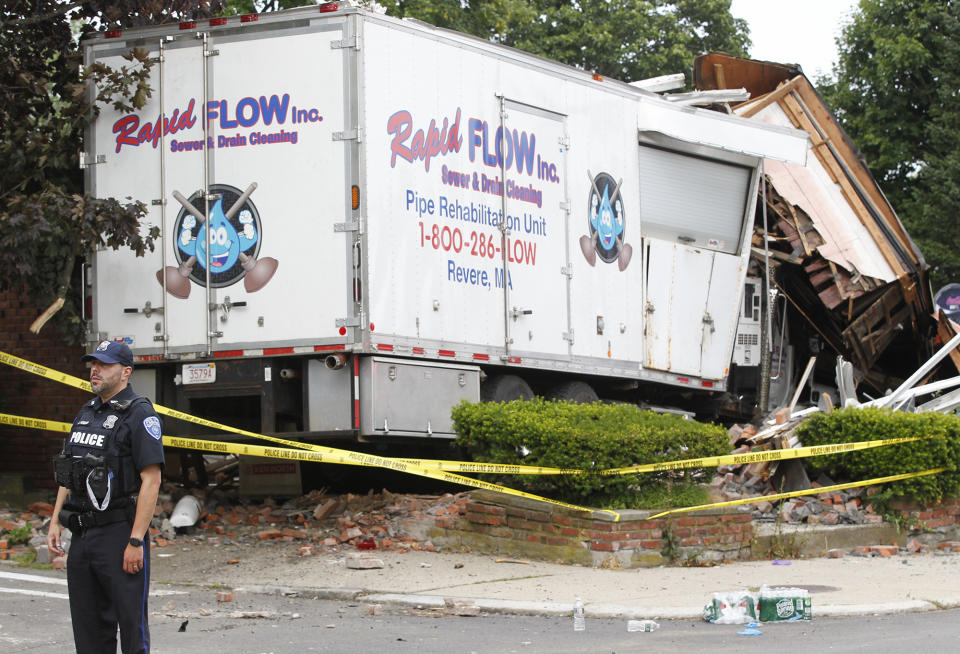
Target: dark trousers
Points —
{"points": [[103, 596]]}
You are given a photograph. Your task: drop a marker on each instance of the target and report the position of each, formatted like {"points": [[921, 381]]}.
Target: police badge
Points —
{"points": [[110, 422]]}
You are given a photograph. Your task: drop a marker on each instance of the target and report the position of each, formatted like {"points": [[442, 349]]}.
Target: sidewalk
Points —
{"points": [[850, 585]]}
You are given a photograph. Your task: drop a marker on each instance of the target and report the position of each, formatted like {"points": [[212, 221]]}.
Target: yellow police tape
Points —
{"points": [[337, 456], [757, 457], [34, 423], [221, 447], [433, 469], [809, 491], [323, 455]]}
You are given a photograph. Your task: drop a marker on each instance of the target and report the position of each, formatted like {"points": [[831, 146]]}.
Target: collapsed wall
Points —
{"points": [[849, 270]]}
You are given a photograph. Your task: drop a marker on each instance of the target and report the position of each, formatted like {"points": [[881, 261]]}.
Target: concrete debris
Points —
{"points": [[251, 614], [461, 607], [363, 562]]}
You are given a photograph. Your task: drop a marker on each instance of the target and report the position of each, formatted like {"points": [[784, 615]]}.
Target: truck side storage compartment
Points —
{"points": [[404, 397]]}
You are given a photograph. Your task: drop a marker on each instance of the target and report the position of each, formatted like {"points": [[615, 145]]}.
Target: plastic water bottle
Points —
{"points": [[578, 622], [642, 625]]}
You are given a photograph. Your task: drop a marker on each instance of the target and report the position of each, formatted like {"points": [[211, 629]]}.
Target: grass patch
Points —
{"points": [[26, 559]]}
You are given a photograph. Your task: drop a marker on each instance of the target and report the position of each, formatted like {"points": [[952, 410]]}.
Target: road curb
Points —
{"points": [[594, 610]]}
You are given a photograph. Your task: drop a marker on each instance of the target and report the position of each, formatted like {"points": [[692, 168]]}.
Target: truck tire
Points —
{"points": [[577, 392], [505, 388]]}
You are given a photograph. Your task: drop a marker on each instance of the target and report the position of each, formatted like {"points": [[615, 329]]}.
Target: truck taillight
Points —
{"points": [[250, 18], [355, 196], [217, 22], [188, 25], [88, 307], [113, 34], [330, 6]]}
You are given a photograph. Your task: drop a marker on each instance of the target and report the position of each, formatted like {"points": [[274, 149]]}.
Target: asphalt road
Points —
{"points": [[34, 617]]}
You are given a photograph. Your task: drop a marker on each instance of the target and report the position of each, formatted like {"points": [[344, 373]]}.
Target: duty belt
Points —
{"points": [[76, 521]]}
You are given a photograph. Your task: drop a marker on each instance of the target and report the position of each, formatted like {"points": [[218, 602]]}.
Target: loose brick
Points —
{"points": [[885, 550], [325, 510], [42, 509], [830, 518]]}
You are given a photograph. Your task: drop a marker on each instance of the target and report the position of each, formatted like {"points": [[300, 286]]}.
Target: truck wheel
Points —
{"points": [[574, 391], [505, 388]]}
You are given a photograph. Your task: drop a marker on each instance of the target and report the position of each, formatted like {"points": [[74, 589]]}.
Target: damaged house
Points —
{"points": [[845, 278]]}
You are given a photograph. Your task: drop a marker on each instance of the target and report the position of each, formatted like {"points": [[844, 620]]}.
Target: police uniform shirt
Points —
{"points": [[136, 432]]}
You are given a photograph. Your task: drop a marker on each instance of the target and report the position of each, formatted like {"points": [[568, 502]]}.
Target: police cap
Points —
{"points": [[111, 352]]}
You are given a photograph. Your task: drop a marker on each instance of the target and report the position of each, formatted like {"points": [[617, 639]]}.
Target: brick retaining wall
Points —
{"points": [[500, 524], [934, 516]]}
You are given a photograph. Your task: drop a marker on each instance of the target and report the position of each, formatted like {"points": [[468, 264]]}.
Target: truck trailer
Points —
{"points": [[365, 220]]}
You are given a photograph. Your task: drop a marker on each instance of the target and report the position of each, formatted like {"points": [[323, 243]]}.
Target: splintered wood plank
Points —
{"points": [[721, 78], [821, 278], [773, 96]]}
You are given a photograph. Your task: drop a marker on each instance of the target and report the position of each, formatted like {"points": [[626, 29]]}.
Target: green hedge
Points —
{"points": [[852, 425], [585, 437]]}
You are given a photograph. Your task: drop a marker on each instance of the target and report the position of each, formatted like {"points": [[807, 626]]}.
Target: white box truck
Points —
{"points": [[365, 220]]}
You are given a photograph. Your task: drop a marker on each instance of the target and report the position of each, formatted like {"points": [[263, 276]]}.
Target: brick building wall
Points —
{"points": [[30, 451]]}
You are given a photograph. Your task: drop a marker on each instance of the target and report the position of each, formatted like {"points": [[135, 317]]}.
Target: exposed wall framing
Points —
{"points": [[856, 314]]}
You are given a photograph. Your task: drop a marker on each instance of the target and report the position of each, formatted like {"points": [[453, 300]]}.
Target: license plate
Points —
{"points": [[199, 373]]}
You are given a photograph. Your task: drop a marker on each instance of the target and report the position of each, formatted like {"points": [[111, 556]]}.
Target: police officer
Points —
{"points": [[109, 474]]}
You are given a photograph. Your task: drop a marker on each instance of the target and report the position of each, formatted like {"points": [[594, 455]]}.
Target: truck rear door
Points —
{"points": [[248, 206]]}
